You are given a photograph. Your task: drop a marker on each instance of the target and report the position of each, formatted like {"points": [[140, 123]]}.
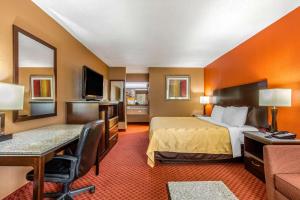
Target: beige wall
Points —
{"points": [[137, 77], [71, 55], [159, 106], [117, 73]]}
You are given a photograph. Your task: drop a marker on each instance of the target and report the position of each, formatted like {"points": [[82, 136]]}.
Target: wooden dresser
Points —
{"points": [[111, 119], [81, 112]]}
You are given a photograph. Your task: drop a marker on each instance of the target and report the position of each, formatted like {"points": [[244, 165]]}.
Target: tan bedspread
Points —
{"points": [[186, 135]]}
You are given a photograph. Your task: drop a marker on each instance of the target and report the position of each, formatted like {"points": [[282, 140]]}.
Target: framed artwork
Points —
{"points": [[42, 87], [178, 87]]}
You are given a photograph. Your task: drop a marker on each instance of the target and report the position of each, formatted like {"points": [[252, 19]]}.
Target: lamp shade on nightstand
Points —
{"points": [[275, 97], [11, 97], [204, 100]]}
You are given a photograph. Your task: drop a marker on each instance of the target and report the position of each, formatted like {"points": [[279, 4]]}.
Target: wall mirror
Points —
{"points": [[35, 68], [117, 93]]}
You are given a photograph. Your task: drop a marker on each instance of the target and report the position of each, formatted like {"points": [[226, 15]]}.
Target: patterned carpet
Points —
{"points": [[126, 176]]}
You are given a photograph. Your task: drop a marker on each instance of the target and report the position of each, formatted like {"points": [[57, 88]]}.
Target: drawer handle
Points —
{"points": [[255, 164]]}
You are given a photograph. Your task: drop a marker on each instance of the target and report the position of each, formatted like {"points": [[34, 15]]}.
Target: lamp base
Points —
{"points": [[204, 109], [3, 136], [274, 120]]}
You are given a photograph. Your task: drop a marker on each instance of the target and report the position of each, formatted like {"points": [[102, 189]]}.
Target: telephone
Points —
{"points": [[284, 135], [280, 132]]}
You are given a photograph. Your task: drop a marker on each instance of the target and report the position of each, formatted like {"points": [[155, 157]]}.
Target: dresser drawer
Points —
{"points": [[113, 131], [113, 121], [113, 141]]}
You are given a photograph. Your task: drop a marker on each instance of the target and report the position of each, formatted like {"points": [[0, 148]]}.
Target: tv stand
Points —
{"points": [[82, 112]]}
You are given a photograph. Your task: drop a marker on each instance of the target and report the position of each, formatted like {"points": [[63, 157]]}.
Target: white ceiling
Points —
{"points": [[166, 33]]}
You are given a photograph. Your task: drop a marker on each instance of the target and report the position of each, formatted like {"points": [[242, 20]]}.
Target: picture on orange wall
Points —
{"points": [[41, 87], [178, 87]]}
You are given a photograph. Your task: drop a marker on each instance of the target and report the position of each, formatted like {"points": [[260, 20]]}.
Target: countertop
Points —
{"points": [[41, 140]]}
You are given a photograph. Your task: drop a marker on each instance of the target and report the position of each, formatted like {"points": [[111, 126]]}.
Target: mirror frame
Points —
{"points": [[16, 31]]}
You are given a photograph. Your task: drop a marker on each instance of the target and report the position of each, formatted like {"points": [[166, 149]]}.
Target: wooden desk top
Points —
{"points": [[40, 141]]}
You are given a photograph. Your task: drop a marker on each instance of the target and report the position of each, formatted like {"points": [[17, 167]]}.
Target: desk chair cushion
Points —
{"points": [[58, 170]]}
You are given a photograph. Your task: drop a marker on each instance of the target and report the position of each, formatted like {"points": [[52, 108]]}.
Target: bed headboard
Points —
{"points": [[245, 95]]}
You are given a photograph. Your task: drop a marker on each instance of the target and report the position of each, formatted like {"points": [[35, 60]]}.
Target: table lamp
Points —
{"points": [[11, 98], [275, 98], [204, 100]]}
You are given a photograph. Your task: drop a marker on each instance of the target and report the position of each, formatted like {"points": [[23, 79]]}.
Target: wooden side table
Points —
{"points": [[253, 151]]}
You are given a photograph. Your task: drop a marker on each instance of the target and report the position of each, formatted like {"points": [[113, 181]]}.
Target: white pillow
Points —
{"points": [[217, 113], [235, 116]]}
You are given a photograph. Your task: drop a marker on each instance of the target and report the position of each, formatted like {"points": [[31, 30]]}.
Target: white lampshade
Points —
{"points": [[275, 97], [11, 96], [204, 99]]}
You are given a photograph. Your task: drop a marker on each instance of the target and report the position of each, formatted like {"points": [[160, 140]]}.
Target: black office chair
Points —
{"points": [[66, 169]]}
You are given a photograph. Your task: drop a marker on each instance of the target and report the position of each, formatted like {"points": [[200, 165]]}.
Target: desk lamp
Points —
{"points": [[11, 98]]}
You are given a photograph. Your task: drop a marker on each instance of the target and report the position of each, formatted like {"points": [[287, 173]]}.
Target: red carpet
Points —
{"points": [[125, 174]]}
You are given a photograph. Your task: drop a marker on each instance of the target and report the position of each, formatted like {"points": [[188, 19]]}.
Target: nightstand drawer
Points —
{"points": [[255, 166]]}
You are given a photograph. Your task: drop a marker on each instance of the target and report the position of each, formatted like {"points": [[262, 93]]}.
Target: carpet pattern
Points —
{"points": [[125, 175]]}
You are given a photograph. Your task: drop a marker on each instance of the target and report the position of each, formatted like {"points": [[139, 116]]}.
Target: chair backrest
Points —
{"points": [[87, 147]]}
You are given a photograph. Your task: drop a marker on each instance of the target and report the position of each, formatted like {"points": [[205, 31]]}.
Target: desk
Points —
{"points": [[35, 147]]}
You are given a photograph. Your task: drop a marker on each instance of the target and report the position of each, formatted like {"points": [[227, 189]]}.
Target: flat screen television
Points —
{"points": [[92, 86]]}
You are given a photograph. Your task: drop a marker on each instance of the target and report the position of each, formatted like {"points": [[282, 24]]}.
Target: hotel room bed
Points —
{"points": [[186, 138], [190, 139]]}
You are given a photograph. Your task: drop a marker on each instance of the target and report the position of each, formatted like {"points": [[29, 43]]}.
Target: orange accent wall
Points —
{"points": [[272, 54]]}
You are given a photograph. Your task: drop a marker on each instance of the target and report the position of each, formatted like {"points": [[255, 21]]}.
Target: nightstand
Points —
{"points": [[253, 151]]}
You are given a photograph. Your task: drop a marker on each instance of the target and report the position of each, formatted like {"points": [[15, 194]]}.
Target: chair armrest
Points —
{"points": [[66, 157], [282, 159]]}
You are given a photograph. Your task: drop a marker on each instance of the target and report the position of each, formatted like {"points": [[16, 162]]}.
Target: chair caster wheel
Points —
{"points": [[92, 190]]}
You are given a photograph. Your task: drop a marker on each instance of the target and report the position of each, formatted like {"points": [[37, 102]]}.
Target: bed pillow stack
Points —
{"points": [[233, 116]]}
